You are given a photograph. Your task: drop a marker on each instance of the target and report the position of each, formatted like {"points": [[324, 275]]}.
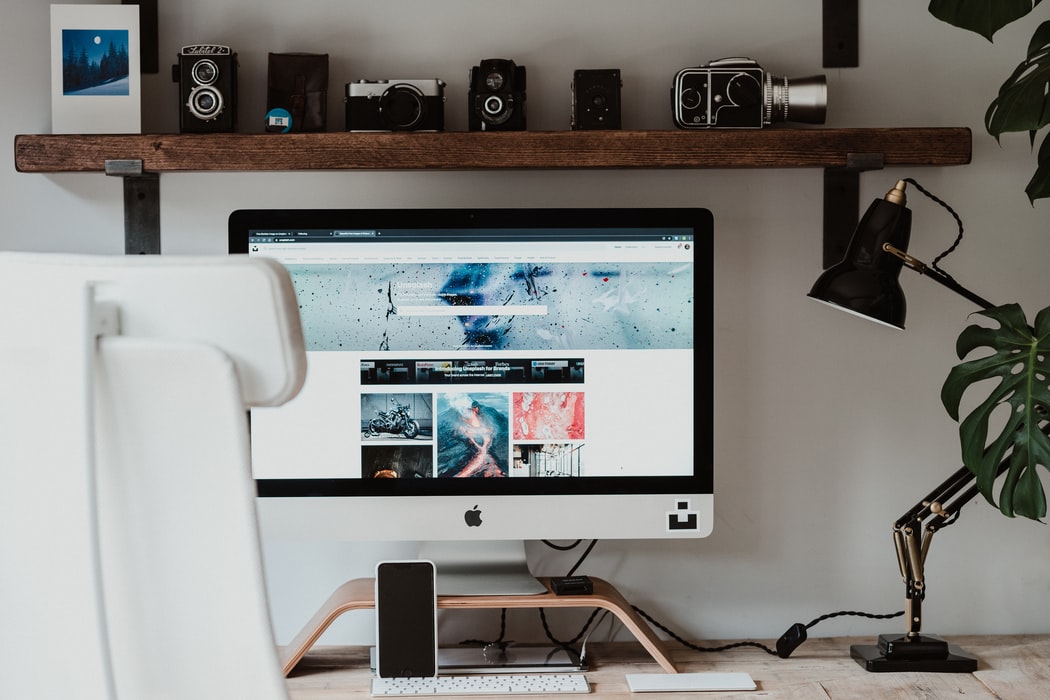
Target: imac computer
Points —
{"points": [[477, 378]]}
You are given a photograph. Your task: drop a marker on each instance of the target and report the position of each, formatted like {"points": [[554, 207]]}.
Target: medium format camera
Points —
{"points": [[736, 93], [207, 78], [395, 105], [596, 99], [496, 98]]}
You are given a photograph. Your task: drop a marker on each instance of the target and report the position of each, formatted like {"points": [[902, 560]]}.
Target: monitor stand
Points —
{"points": [[483, 567], [359, 594]]}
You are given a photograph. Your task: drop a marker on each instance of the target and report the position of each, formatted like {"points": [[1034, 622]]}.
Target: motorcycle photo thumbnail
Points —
{"points": [[386, 415]]}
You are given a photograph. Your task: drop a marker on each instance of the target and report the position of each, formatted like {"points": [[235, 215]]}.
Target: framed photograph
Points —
{"points": [[96, 82]]}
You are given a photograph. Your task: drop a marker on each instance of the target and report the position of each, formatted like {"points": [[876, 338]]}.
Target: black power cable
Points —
{"points": [[785, 645], [788, 642], [958, 223]]}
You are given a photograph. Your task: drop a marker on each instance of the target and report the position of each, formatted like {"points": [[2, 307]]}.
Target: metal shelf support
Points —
{"points": [[840, 33], [842, 202], [141, 206]]}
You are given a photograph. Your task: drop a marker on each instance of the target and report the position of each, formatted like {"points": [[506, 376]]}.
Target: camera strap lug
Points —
{"points": [[842, 202], [141, 206]]}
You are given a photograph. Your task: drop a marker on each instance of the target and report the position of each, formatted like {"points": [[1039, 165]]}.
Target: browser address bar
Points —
{"points": [[479, 310]]}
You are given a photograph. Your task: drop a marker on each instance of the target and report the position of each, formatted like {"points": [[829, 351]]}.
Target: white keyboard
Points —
{"points": [[482, 684]]}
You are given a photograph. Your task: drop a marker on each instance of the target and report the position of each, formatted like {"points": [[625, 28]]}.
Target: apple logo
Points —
{"points": [[473, 517]]}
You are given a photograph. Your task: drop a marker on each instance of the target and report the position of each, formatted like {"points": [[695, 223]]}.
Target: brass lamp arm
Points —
{"points": [[912, 534]]}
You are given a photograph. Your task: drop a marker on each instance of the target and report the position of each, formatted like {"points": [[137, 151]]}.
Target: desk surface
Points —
{"points": [[1009, 668]]}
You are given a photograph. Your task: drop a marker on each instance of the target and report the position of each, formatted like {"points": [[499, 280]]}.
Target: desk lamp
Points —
{"points": [[866, 283]]}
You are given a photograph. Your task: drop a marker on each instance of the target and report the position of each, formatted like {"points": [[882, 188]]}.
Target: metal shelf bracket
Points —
{"points": [[840, 33], [842, 202], [141, 206]]}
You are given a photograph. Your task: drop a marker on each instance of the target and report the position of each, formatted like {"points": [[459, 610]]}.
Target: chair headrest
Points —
{"points": [[245, 306]]}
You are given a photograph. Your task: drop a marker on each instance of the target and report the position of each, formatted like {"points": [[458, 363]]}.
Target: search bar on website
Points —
{"points": [[479, 310]]}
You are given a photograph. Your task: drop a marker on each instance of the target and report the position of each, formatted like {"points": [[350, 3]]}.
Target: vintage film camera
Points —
{"points": [[736, 93], [207, 78], [496, 98], [596, 99], [395, 105]]}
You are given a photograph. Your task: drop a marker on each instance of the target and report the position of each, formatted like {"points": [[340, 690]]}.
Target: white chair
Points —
{"points": [[130, 564]]}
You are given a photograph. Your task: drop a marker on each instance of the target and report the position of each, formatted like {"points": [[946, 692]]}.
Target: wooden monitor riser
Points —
{"points": [[359, 594]]}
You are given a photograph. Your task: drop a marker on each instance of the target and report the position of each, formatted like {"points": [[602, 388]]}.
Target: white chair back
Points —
{"points": [[131, 565]]}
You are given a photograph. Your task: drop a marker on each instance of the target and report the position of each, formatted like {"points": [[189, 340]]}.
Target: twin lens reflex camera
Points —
{"points": [[207, 78], [496, 97]]}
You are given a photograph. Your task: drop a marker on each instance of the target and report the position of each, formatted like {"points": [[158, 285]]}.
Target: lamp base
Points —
{"points": [[926, 652]]}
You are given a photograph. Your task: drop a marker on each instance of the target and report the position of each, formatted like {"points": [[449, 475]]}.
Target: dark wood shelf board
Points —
{"points": [[451, 150]]}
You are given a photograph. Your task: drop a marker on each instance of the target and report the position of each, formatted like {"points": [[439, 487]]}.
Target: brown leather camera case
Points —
{"points": [[298, 82]]}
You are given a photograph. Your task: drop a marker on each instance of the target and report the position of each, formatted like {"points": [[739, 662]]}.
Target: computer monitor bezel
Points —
{"points": [[699, 220]]}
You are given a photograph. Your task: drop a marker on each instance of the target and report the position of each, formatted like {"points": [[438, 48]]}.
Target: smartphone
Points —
{"points": [[406, 619]]}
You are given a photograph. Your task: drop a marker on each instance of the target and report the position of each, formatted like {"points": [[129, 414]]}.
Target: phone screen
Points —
{"points": [[406, 619]]}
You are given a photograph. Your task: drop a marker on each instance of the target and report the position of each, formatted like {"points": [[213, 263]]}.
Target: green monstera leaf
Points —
{"points": [[1039, 186], [1023, 101], [1023, 104], [1019, 366], [985, 17]]}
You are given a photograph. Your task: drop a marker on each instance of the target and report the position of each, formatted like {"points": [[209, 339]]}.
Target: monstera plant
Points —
{"points": [[1016, 363], [1014, 357], [1023, 102]]}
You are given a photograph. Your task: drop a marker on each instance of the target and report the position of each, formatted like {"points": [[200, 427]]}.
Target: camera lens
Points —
{"points": [[493, 105], [797, 99], [402, 106], [205, 71], [205, 103], [495, 80], [495, 109]]}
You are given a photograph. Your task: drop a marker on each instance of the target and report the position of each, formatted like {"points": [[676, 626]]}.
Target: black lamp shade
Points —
{"points": [[866, 281]]}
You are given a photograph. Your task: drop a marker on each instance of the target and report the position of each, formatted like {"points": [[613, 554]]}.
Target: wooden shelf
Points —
{"points": [[509, 150], [842, 153]]}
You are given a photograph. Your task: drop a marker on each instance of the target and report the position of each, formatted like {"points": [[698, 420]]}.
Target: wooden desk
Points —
{"points": [[1009, 668]]}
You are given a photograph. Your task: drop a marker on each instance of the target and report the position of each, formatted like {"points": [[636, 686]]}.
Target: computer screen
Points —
{"points": [[491, 376]]}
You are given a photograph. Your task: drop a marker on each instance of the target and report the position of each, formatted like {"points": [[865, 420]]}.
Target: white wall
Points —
{"points": [[828, 427]]}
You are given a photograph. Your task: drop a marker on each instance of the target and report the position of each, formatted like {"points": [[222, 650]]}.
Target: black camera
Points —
{"points": [[207, 78], [736, 93], [596, 99], [496, 99], [395, 105]]}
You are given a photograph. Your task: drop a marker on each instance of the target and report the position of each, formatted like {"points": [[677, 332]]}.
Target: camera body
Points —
{"points": [[496, 98], [596, 99], [736, 93], [395, 105], [207, 78]]}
